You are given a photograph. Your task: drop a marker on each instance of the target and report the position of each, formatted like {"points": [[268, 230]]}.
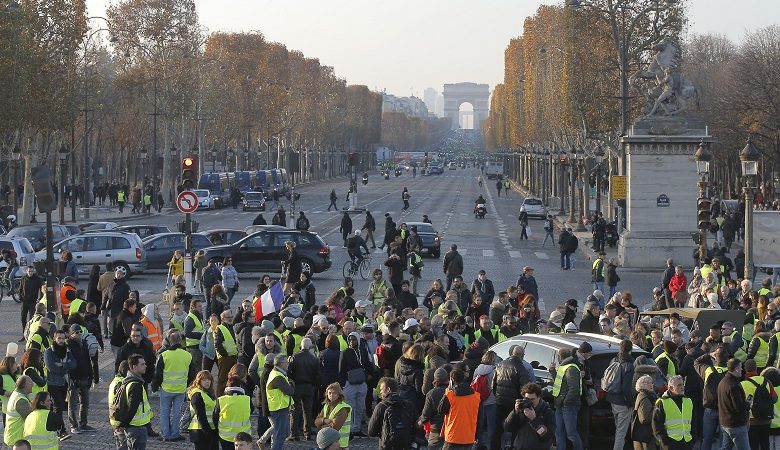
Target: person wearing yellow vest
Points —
{"points": [[9, 371], [673, 417], [147, 202], [177, 318], [172, 375], [41, 426], [711, 368], [761, 395], [487, 330], [278, 392], [766, 287], [226, 349], [666, 362], [336, 414], [758, 350], [567, 392], [34, 367], [774, 345], [460, 407], [135, 411], [176, 264], [121, 374], [377, 288], [19, 407], [202, 402], [152, 326], [193, 332], [343, 337], [41, 338], [733, 339], [120, 200], [773, 376]]}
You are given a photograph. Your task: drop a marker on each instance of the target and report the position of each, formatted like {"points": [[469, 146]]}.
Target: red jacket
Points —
{"points": [[678, 283]]}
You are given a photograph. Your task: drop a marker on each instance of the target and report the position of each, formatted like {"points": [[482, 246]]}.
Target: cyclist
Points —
{"points": [[479, 179], [12, 265], [353, 248]]}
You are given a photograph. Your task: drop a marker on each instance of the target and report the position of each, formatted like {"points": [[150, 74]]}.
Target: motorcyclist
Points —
{"points": [[353, 248], [479, 201], [365, 177]]}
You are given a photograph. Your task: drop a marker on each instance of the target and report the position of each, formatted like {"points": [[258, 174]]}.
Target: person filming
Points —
{"points": [[532, 420]]}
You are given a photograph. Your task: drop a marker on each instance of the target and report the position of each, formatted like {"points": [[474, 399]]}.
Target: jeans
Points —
{"points": [[524, 233], [280, 428], [735, 438], [356, 398], [566, 427], [487, 424], [710, 427], [135, 438], [598, 285], [170, 414], [612, 290], [302, 416], [565, 261], [572, 259], [78, 402], [622, 414], [548, 234], [231, 291]]}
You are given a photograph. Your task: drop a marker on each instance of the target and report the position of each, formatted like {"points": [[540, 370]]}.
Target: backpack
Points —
{"points": [[397, 426], [209, 276], [91, 342], [612, 381], [548, 225], [303, 223], [762, 406], [480, 385], [115, 410], [382, 357]]}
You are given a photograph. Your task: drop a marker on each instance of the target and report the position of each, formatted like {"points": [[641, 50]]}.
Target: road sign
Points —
{"points": [[187, 202], [618, 185]]}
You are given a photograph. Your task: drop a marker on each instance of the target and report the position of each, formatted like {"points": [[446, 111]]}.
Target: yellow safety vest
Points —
{"points": [[9, 384], [775, 423], [762, 355], [209, 403], [346, 428], [377, 292], [178, 325], [120, 196], [35, 387], [176, 367], [747, 334], [147, 199], [75, 305], [233, 416], [111, 388], [198, 328], [750, 388], [38, 339], [603, 266], [678, 423], [740, 353], [764, 291], [36, 433], [710, 370], [276, 398], [495, 331], [143, 414], [14, 422], [228, 342], [342, 343], [671, 370], [559, 374]]}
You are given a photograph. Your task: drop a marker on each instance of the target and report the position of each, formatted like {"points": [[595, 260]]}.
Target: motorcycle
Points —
{"points": [[611, 235], [480, 211], [398, 172], [365, 179], [386, 173]]}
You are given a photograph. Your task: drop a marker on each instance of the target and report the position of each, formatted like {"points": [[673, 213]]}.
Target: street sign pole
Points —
{"points": [[187, 202]]}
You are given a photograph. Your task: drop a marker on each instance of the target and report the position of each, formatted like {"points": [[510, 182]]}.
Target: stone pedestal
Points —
{"points": [[661, 191]]}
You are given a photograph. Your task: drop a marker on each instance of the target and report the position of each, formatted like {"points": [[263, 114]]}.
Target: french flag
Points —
{"points": [[270, 302]]}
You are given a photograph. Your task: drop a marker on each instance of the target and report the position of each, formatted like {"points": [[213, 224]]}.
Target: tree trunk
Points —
{"points": [[30, 160]]}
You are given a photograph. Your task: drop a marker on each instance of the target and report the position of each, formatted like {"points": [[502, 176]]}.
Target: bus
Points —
{"points": [[243, 181], [210, 181], [262, 180]]}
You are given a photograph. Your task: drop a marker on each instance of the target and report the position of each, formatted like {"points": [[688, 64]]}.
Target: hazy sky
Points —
{"points": [[404, 46]]}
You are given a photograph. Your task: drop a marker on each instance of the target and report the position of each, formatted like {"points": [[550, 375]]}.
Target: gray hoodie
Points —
{"points": [[490, 371]]}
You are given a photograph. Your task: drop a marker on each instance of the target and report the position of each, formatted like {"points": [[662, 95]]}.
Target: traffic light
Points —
{"points": [[44, 194], [352, 159], [189, 172], [703, 205]]}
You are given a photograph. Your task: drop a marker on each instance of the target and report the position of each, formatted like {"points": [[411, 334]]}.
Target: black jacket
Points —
{"points": [[485, 290], [396, 269], [123, 323], [589, 324], [733, 408], [144, 349], [453, 263], [346, 224], [527, 437], [626, 374], [710, 390], [659, 427], [390, 231], [30, 288], [353, 359], [246, 348], [80, 353], [511, 375], [120, 292], [410, 374], [377, 417], [329, 367], [304, 369], [430, 411], [294, 266]]}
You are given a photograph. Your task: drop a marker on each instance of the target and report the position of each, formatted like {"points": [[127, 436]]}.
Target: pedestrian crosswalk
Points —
{"points": [[502, 253]]}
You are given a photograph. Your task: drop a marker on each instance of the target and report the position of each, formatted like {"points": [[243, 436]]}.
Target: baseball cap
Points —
{"points": [[362, 303], [411, 322], [570, 328]]}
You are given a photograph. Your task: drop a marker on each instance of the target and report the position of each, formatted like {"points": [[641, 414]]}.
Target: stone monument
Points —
{"points": [[661, 173]]}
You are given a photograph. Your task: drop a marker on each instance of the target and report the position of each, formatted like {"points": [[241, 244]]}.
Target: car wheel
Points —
{"points": [[308, 267], [126, 267]]}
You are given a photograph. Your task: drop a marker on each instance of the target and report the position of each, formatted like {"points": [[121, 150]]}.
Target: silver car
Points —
{"points": [[25, 255], [122, 248], [205, 199], [534, 207]]}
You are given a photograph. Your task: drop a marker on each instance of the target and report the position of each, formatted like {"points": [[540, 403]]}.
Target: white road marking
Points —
{"points": [[515, 254], [463, 251], [488, 253], [541, 255]]}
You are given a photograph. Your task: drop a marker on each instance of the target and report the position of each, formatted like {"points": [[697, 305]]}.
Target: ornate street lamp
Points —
{"points": [[144, 157], [573, 185], [703, 158], [749, 158], [231, 154], [213, 159], [16, 156], [63, 156], [599, 157]]}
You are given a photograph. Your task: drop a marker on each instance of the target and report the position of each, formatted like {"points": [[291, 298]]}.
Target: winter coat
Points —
{"points": [[30, 288], [511, 375], [678, 283], [570, 385], [294, 267], [437, 357], [120, 291], [453, 263], [626, 375], [489, 371], [346, 224], [304, 369], [377, 418], [59, 362], [409, 374], [589, 323], [527, 437], [329, 367], [390, 231], [644, 406], [611, 278], [229, 277]]}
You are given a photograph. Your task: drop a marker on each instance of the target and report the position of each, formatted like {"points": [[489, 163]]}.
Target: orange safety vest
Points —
{"points": [[460, 423], [63, 298], [153, 332]]}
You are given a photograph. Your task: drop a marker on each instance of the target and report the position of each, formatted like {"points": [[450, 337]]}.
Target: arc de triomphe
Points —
{"points": [[457, 94]]}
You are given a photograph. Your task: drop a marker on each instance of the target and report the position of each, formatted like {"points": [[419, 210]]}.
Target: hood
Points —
{"points": [[644, 369], [409, 366], [484, 369], [234, 390], [148, 311], [463, 390], [394, 399]]}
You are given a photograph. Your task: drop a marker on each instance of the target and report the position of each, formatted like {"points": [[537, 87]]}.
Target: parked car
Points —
{"points": [[453, 166], [541, 351], [431, 242], [219, 237], [73, 229], [534, 207], [159, 248], [122, 248], [94, 226], [264, 251], [205, 200], [252, 229], [144, 231], [435, 170], [25, 254], [36, 234], [253, 200]]}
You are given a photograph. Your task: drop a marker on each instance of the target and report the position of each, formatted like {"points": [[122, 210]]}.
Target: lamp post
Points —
{"points": [[63, 155], [572, 185], [703, 158], [583, 190], [16, 155], [174, 153], [599, 156], [231, 154], [562, 158], [144, 155], [213, 159], [749, 158], [246, 158]]}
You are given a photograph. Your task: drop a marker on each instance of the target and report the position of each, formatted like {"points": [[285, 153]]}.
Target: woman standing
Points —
{"points": [[32, 366], [229, 279], [202, 402], [292, 266], [405, 195], [487, 413], [336, 414], [641, 424], [40, 427], [9, 370], [176, 264], [410, 372], [678, 286], [611, 278]]}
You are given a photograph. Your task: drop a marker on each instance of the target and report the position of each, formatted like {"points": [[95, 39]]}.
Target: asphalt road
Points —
{"points": [[491, 244]]}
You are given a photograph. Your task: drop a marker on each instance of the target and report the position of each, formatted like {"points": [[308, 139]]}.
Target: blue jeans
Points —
{"points": [[231, 291], [612, 290], [566, 427], [565, 260], [487, 424], [135, 438], [710, 428], [170, 414], [280, 422], [598, 286], [735, 438]]}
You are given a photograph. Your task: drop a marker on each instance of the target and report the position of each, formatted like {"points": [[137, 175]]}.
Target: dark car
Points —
{"points": [[431, 243], [144, 231], [36, 234], [220, 237], [435, 170], [541, 351], [159, 248], [264, 251]]}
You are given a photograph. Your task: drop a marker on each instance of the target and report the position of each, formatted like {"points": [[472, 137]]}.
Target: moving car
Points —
{"points": [[224, 236], [435, 170], [96, 226], [254, 200], [144, 231], [534, 207], [431, 242], [264, 251], [453, 166], [122, 248], [36, 234], [159, 248], [205, 199]]}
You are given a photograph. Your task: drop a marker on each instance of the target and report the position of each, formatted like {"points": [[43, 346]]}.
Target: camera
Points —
{"points": [[526, 404]]}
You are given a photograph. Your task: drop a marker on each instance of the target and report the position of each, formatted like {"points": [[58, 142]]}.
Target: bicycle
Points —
{"points": [[7, 287], [363, 268]]}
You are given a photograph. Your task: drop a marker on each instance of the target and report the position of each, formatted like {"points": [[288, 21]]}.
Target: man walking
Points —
{"points": [[80, 382], [548, 231], [453, 265], [620, 391], [563, 245], [499, 185], [173, 373], [135, 411], [370, 226], [333, 199]]}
